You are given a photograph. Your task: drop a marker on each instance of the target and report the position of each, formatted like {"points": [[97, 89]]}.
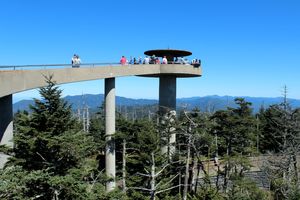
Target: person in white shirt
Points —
{"points": [[146, 60], [73, 60], [76, 61], [164, 60]]}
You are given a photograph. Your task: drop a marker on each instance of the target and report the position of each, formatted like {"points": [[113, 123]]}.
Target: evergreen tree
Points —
{"points": [[236, 127], [54, 158], [282, 128], [47, 138]]}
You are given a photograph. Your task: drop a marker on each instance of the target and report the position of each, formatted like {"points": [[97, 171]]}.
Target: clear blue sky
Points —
{"points": [[247, 47]]}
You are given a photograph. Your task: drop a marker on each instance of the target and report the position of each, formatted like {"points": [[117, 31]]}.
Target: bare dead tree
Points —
{"points": [[156, 187], [285, 166], [186, 178], [124, 166]]}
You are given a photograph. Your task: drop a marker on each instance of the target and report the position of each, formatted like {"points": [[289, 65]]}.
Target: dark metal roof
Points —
{"points": [[168, 52]]}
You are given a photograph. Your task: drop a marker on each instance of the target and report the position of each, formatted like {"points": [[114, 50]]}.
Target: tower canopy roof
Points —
{"points": [[168, 53]]}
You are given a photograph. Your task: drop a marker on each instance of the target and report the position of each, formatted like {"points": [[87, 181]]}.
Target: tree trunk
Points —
{"points": [[194, 174], [226, 169], [152, 178], [124, 166], [199, 168], [186, 177]]}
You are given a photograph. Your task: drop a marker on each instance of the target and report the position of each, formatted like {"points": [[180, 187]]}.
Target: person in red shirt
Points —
{"points": [[157, 61], [123, 60]]}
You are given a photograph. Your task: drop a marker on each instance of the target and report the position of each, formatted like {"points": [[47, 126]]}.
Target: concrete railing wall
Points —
{"points": [[13, 81]]}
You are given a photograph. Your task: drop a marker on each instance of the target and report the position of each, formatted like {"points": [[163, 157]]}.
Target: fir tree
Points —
{"points": [[236, 128], [57, 159]]}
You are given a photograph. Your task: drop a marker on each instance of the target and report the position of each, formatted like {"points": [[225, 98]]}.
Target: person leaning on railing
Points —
{"points": [[164, 60], [196, 62], [76, 61], [123, 60]]}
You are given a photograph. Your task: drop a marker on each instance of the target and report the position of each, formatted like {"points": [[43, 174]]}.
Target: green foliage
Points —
{"points": [[51, 115], [245, 189], [47, 138], [97, 128], [208, 193], [17, 183], [12, 183], [280, 128], [236, 128], [201, 130], [52, 157], [281, 135], [141, 139], [294, 193], [272, 128]]}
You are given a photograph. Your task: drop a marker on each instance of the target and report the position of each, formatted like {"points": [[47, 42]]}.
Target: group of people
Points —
{"points": [[76, 61], [147, 60], [155, 60], [196, 61]]}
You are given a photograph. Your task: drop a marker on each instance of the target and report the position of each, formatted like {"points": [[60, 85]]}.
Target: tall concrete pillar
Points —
{"points": [[6, 125], [110, 129], [167, 107], [167, 93]]}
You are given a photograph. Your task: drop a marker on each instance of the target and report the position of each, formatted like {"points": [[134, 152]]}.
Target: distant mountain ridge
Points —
{"points": [[206, 103]]}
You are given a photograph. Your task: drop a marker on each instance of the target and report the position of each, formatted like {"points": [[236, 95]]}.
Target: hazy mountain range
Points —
{"points": [[206, 103]]}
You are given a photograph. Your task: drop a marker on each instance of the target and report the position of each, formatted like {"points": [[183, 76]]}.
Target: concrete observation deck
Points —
{"points": [[14, 81]]}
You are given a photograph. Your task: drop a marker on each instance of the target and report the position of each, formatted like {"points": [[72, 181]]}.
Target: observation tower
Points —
{"points": [[20, 78], [167, 89]]}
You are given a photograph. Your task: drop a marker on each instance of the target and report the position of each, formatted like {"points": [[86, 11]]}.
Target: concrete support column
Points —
{"points": [[6, 125], [167, 93], [167, 108], [110, 129]]}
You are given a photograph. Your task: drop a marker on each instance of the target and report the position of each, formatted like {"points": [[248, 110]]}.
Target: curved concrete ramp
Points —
{"points": [[14, 81]]}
